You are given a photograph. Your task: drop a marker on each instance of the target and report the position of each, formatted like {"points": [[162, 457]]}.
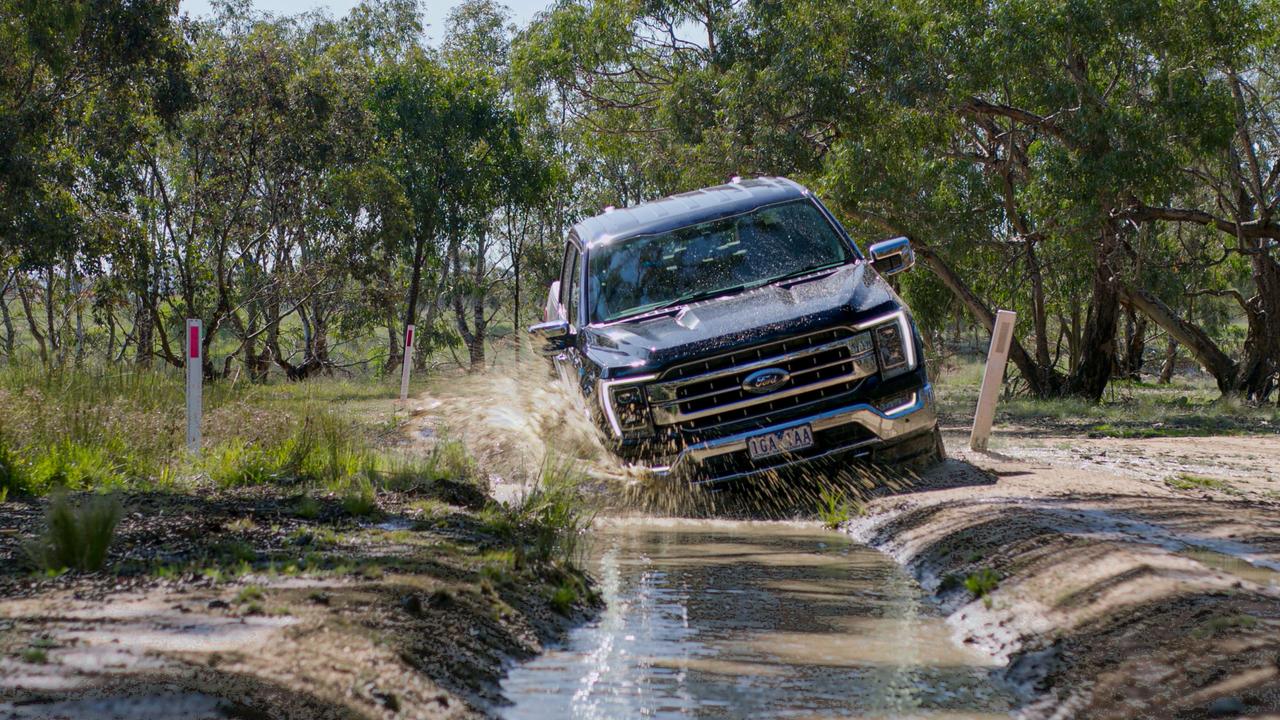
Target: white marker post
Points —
{"points": [[195, 380], [992, 379], [406, 363]]}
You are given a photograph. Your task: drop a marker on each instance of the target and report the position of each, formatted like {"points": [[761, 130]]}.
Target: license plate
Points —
{"points": [[782, 441]]}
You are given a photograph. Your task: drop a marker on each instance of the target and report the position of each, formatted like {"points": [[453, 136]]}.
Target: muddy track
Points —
{"points": [[231, 605], [1108, 583]]}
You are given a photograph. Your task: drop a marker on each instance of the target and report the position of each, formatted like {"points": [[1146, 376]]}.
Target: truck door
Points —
{"points": [[567, 362]]}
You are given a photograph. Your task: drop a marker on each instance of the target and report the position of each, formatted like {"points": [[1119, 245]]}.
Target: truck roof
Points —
{"points": [[687, 208]]}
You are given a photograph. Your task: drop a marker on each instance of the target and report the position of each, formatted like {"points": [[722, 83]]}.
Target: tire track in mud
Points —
{"points": [[1101, 579]]}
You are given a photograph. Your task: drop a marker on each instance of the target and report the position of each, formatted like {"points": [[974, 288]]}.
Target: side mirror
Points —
{"points": [[552, 307], [554, 336], [890, 257]]}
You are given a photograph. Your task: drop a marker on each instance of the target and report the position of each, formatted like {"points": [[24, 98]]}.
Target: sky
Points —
{"points": [[435, 11]]}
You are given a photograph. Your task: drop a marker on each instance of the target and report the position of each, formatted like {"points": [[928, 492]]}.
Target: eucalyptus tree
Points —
{"points": [[67, 71]]}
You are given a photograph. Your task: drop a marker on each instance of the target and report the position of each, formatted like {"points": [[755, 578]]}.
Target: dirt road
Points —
{"points": [[1117, 578]]}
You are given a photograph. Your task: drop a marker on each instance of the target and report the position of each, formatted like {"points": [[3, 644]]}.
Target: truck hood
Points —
{"points": [[849, 294]]}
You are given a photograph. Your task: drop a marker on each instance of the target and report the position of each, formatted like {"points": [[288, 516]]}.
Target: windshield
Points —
{"points": [[767, 244]]}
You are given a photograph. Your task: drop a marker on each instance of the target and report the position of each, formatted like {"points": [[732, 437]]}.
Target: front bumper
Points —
{"points": [[858, 430]]}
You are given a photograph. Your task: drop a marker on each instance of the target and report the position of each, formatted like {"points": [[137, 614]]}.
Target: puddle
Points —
{"points": [[194, 706], [720, 619], [1235, 566]]}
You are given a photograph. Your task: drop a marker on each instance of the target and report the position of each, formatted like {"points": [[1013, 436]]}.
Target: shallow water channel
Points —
{"points": [[760, 620]]}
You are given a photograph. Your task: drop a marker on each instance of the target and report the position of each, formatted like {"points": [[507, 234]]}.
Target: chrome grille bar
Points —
{"points": [[856, 352]]}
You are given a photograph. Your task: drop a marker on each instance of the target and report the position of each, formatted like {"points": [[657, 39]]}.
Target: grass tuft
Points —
{"points": [[564, 597], [250, 593], [77, 536], [1189, 481], [982, 583], [360, 498], [834, 508]]}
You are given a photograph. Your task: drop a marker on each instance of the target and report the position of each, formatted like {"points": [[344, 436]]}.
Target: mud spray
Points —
{"points": [[518, 418]]}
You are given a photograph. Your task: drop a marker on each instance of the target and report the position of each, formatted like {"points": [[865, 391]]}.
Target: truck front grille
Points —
{"points": [[701, 395]]}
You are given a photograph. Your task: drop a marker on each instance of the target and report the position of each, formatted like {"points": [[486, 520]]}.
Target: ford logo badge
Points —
{"points": [[765, 381]]}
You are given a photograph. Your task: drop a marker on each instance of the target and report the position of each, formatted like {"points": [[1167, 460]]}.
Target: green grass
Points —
{"points": [[982, 583], [834, 508], [77, 536], [360, 498], [564, 597], [1190, 481], [102, 428], [549, 523], [35, 656], [1127, 409], [1220, 624]]}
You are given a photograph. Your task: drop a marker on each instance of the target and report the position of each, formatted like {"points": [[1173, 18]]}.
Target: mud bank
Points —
{"points": [[252, 604], [1109, 580]]}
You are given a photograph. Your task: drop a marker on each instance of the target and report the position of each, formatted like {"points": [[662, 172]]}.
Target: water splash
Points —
{"points": [[512, 417], [517, 414]]}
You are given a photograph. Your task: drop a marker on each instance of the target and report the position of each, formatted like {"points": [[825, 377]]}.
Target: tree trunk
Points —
{"points": [[1040, 383], [411, 305], [31, 323], [1262, 345], [1135, 345], [111, 333], [1170, 361], [9, 332], [1038, 318], [1198, 343], [50, 330], [1098, 341], [143, 334], [393, 343]]}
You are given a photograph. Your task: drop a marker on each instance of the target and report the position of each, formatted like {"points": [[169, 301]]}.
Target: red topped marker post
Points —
{"points": [[195, 380]]}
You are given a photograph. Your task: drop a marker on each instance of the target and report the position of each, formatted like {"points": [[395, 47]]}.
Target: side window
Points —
{"points": [[575, 290], [566, 269]]}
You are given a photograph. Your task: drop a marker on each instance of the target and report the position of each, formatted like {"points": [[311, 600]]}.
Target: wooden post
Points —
{"points": [[406, 363], [195, 381], [992, 379]]}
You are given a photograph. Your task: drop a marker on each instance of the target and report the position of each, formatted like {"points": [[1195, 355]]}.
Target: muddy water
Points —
{"points": [[761, 620]]}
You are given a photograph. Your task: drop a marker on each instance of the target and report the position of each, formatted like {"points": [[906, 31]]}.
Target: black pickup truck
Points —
{"points": [[737, 330]]}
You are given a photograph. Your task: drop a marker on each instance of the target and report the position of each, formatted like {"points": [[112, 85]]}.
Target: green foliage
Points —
{"points": [[1217, 625], [450, 460], [982, 583], [549, 522], [77, 536], [1190, 481], [13, 477], [834, 507], [360, 498], [250, 593], [564, 597]]}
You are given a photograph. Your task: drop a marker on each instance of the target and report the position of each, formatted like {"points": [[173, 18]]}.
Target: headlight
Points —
{"points": [[892, 353], [625, 404], [895, 343]]}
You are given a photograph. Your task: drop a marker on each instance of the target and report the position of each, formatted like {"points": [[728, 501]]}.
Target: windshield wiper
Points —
{"points": [[704, 295], [801, 273]]}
